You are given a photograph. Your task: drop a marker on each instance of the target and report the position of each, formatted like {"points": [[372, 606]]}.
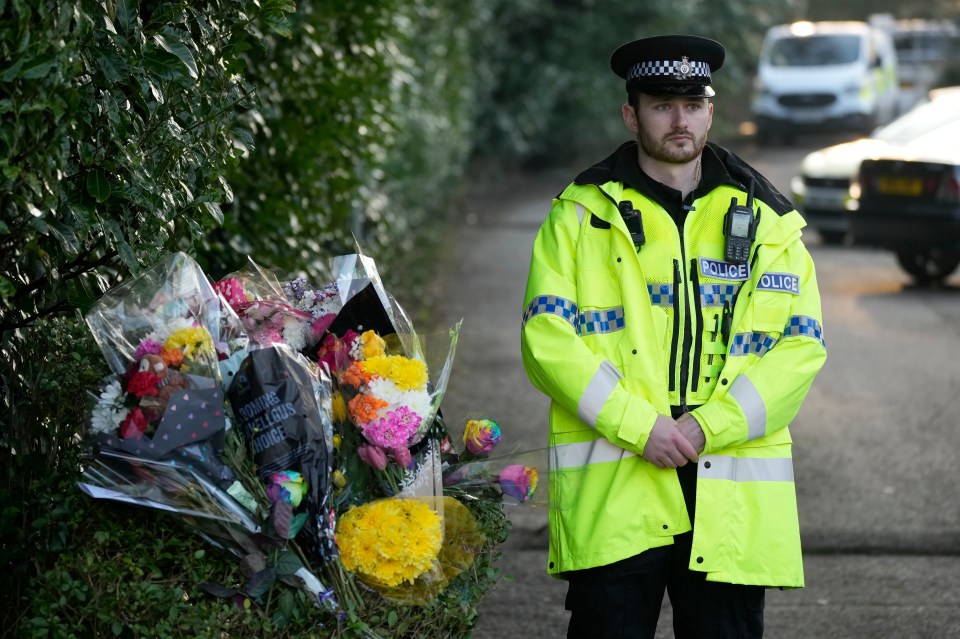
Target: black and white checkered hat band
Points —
{"points": [[676, 69]]}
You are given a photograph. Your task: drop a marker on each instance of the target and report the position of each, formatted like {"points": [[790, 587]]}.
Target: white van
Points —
{"points": [[840, 75], [926, 51]]}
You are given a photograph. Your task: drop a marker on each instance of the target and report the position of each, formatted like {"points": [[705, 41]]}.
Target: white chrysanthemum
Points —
{"points": [[386, 390], [419, 402], [416, 400], [294, 333], [109, 411]]}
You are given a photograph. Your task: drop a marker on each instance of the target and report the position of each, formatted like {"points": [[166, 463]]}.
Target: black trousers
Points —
{"points": [[622, 600]]}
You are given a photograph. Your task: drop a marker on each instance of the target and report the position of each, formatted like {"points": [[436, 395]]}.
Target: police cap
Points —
{"points": [[669, 65]]}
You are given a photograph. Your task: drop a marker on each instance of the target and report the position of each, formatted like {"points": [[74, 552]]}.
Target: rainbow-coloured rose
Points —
{"points": [[519, 482], [286, 486], [481, 435]]}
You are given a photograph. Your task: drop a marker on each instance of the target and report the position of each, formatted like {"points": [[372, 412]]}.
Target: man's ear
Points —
{"points": [[630, 119]]}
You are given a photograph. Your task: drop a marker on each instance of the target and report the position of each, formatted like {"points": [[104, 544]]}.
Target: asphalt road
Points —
{"points": [[875, 443]]}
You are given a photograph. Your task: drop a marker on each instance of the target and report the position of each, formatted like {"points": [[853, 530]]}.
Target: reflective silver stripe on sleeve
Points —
{"points": [[751, 403], [597, 392], [745, 468], [598, 451]]}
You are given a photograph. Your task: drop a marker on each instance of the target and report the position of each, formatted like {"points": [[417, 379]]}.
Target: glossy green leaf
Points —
{"points": [[98, 186], [178, 49], [296, 524], [164, 65], [261, 582], [38, 67], [287, 563], [127, 14]]}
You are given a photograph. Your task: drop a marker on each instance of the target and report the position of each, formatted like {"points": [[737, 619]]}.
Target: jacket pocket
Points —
{"points": [[598, 288], [771, 310]]}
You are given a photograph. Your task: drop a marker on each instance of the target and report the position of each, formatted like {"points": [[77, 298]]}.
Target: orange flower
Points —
{"points": [[364, 408], [355, 375], [172, 357]]}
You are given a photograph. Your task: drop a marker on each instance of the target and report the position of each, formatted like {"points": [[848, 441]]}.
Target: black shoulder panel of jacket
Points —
{"points": [[742, 172], [602, 172]]}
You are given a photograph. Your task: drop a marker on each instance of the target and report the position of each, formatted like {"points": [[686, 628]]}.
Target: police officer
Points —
{"points": [[672, 316]]}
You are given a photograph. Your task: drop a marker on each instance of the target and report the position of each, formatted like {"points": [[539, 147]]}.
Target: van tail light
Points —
{"points": [[949, 190]]}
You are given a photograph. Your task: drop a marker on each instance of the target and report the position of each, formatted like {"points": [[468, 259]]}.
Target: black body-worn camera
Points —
{"points": [[633, 220]]}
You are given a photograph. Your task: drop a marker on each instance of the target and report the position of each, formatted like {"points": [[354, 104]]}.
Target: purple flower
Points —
{"points": [[372, 456], [402, 456], [147, 347], [394, 430], [481, 435], [519, 482]]}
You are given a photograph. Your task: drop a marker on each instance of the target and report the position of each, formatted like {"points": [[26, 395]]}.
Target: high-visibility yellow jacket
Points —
{"points": [[615, 336]]}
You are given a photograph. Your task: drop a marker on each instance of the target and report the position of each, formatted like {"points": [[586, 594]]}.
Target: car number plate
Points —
{"points": [[824, 202], [807, 117], [888, 185]]}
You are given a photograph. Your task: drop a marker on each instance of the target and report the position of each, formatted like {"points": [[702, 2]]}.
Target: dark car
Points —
{"points": [[822, 189], [910, 204]]}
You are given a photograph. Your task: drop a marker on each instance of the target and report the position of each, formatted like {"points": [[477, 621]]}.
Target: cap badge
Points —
{"points": [[682, 68]]}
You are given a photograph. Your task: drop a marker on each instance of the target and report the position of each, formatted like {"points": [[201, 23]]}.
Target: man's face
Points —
{"points": [[670, 129]]}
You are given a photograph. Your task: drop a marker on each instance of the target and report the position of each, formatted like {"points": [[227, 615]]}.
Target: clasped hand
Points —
{"points": [[674, 442]]}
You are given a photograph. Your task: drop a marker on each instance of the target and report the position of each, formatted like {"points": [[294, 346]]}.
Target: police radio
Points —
{"points": [[740, 229]]}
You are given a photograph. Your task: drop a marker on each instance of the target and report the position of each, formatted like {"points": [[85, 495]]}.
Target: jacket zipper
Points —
{"points": [[676, 325], [685, 356], [685, 352], [697, 328]]}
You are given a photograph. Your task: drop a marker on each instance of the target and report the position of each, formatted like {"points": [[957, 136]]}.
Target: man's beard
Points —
{"points": [[660, 151]]}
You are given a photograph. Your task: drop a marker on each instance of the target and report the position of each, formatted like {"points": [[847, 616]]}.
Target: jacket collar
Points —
{"points": [[622, 166], [720, 167]]}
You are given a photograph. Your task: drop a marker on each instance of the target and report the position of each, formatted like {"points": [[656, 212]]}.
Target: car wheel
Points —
{"points": [[930, 265]]}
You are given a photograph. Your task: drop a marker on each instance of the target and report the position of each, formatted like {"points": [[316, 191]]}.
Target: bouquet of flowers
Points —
{"points": [[391, 402], [281, 403], [293, 313], [298, 427], [408, 549], [164, 400], [161, 430]]}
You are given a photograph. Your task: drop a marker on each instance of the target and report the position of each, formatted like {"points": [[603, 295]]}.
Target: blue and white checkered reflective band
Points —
{"points": [[717, 294], [608, 320], [553, 305], [805, 326], [678, 69], [751, 343], [661, 294]]}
